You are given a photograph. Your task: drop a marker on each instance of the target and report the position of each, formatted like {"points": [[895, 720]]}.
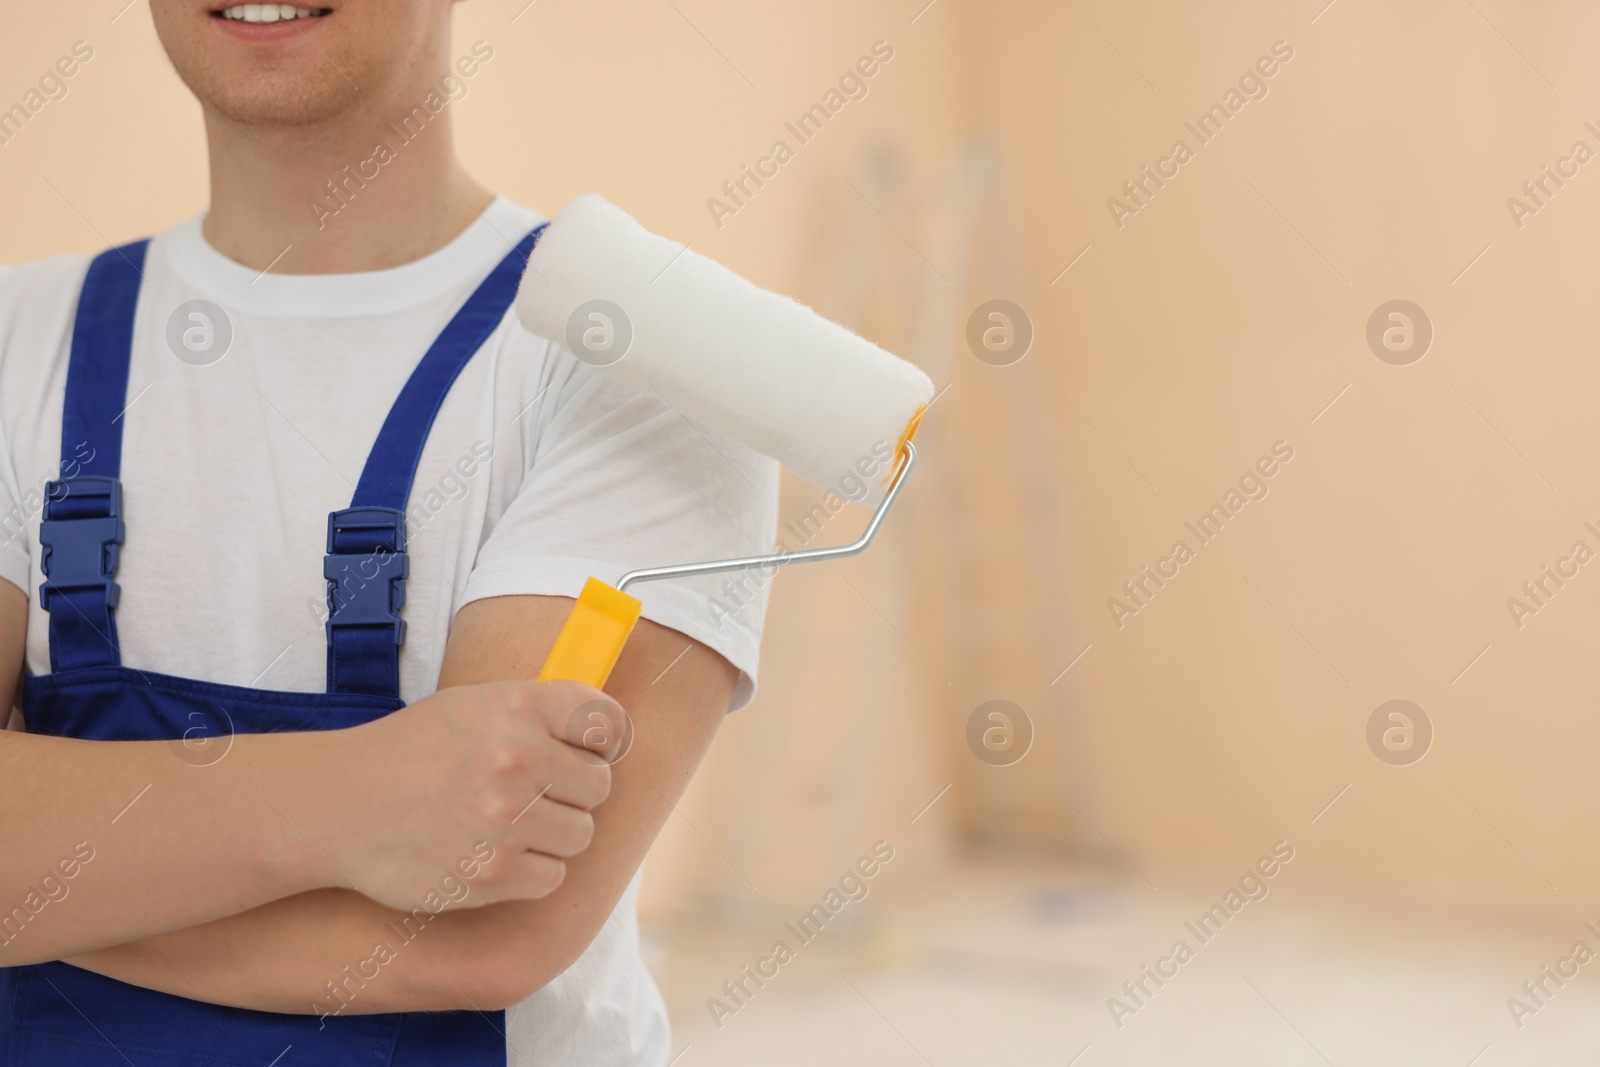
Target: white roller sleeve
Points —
{"points": [[760, 367]]}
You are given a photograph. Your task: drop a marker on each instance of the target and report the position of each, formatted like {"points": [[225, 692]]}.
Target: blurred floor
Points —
{"points": [[1012, 963]]}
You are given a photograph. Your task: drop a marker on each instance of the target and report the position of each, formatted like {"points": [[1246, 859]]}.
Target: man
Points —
{"points": [[221, 819]]}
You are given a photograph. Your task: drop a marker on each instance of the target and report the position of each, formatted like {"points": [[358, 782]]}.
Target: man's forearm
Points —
{"points": [[330, 952], [107, 841]]}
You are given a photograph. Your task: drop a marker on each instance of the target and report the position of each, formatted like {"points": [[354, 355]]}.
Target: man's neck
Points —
{"points": [[357, 196]]}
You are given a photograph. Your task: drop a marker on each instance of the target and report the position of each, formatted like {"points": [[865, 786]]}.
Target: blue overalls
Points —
{"points": [[53, 1014]]}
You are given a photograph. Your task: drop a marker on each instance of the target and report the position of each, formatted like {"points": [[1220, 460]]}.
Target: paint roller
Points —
{"points": [[724, 352]]}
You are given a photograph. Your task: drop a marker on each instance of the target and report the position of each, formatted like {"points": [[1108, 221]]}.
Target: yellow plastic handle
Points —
{"points": [[589, 644]]}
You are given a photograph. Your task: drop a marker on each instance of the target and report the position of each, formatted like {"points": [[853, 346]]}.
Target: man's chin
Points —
{"points": [[279, 102], [292, 81], [318, 71]]}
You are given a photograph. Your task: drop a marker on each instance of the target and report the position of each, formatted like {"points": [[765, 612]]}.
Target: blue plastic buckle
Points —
{"points": [[81, 549], [367, 587]]}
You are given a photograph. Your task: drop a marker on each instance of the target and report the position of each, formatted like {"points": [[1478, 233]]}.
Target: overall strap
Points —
{"points": [[82, 530], [367, 565]]}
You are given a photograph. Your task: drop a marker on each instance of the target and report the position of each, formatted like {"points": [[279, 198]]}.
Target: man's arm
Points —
{"points": [[283, 957], [106, 842]]}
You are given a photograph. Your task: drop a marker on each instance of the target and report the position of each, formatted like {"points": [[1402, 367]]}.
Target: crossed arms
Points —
{"points": [[488, 849]]}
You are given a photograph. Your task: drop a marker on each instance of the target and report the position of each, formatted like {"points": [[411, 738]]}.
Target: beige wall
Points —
{"points": [[1219, 319], [1212, 325]]}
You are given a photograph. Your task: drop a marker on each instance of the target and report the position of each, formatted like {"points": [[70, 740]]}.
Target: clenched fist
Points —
{"points": [[494, 782]]}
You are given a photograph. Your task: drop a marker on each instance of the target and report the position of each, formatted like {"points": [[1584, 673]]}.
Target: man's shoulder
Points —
{"points": [[36, 304], [23, 283]]}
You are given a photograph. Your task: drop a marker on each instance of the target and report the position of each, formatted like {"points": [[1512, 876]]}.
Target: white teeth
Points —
{"points": [[266, 13]]}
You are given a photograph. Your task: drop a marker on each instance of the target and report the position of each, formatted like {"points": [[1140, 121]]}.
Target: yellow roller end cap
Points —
{"points": [[588, 646], [905, 438]]}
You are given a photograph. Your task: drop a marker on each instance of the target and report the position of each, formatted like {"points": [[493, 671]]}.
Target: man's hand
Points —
{"points": [[492, 781]]}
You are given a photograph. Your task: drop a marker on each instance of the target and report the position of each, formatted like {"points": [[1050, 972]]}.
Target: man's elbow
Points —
{"points": [[496, 986], [483, 986], [510, 968]]}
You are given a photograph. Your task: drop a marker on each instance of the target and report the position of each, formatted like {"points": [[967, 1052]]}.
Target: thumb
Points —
{"points": [[586, 718]]}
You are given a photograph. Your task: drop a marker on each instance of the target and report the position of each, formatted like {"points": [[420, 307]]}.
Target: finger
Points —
{"points": [[550, 827], [516, 874], [583, 717], [515, 774], [569, 775], [599, 728]]}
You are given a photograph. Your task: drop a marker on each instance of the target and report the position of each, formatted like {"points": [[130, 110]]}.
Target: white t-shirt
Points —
{"points": [[539, 473]]}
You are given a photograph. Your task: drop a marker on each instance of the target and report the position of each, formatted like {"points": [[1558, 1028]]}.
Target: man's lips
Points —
{"points": [[268, 22]]}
